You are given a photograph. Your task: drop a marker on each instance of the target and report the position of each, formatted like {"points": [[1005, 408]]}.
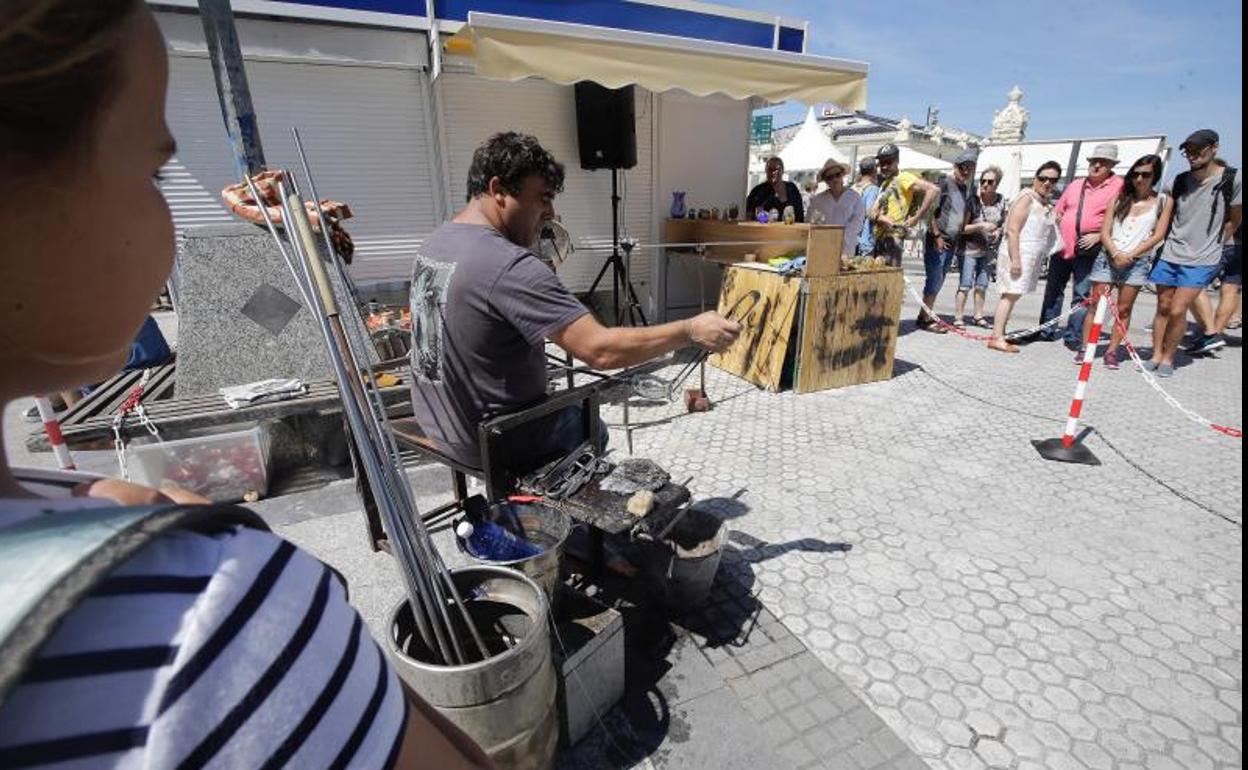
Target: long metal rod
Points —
{"points": [[355, 398], [405, 557], [417, 587], [382, 426], [694, 245], [381, 437]]}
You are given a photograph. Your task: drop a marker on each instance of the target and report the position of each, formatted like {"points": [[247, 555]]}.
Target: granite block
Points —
{"points": [[241, 316]]}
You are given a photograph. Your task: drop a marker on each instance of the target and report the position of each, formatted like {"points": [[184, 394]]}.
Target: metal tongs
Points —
{"points": [[564, 477], [654, 388]]}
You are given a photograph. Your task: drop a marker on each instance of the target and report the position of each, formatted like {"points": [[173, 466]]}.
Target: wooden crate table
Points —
{"points": [[840, 327]]}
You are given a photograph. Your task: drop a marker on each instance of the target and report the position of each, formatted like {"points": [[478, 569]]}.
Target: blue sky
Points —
{"points": [[1086, 68]]}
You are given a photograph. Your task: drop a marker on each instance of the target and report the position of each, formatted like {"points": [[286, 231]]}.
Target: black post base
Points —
{"points": [[1053, 449]]}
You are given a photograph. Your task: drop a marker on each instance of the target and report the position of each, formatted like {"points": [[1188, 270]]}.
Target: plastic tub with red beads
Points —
{"points": [[224, 467]]}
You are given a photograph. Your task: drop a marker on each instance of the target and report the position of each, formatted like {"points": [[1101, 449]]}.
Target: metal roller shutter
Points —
{"points": [[364, 127], [472, 108]]}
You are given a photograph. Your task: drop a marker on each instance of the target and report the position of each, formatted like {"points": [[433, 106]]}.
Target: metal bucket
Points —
{"points": [[506, 703], [547, 528], [681, 566]]}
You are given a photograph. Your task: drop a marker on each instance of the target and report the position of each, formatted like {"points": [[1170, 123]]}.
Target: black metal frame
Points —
{"points": [[493, 471], [498, 480]]}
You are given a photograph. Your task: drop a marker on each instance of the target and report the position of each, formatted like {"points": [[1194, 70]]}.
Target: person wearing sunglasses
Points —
{"points": [[896, 213], [1030, 237], [944, 241], [1080, 211], [1139, 220], [980, 241], [838, 205], [1208, 212]]}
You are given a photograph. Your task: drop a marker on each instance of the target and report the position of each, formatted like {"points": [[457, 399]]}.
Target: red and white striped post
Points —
{"points": [[52, 427], [1066, 449]]}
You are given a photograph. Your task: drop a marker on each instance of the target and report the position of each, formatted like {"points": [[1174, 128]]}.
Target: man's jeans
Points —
{"points": [[548, 438], [1061, 272]]}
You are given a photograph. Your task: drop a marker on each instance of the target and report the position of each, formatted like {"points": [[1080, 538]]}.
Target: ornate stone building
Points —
{"points": [[1010, 123]]}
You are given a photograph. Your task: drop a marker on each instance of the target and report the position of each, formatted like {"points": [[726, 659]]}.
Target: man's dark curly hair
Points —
{"points": [[512, 157]]}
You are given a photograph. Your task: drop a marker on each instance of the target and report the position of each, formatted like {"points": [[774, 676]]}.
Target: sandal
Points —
{"points": [[1002, 347], [958, 323], [981, 322], [1235, 323]]}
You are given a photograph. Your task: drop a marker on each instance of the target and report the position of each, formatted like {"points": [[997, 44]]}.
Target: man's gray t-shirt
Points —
{"points": [[482, 309], [951, 207], [1199, 212]]}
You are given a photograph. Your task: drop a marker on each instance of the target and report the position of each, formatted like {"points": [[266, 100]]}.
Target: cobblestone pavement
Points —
{"points": [[989, 608], [995, 609]]}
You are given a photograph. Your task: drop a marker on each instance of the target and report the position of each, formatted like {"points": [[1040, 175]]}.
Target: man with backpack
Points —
{"points": [[1230, 278], [1208, 210]]}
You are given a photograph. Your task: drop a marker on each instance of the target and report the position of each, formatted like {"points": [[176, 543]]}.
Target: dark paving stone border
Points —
{"points": [[728, 686]]}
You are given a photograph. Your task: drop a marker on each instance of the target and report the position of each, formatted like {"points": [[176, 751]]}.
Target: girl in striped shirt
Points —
{"points": [[230, 650]]}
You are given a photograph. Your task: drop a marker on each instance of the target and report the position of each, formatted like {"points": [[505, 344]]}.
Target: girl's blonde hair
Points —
{"points": [[58, 68]]}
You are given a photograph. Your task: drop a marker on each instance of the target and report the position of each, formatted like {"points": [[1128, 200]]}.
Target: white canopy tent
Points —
{"points": [[810, 148], [913, 160]]}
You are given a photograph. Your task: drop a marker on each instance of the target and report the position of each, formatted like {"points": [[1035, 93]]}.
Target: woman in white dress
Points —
{"points": [[1140, 218], [1030, 239]]}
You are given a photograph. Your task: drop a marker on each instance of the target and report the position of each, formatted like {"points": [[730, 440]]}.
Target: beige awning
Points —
{"points": [[511, 48]]}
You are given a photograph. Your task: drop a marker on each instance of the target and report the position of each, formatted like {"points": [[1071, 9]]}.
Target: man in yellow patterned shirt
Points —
{"points": [[894, 212]]}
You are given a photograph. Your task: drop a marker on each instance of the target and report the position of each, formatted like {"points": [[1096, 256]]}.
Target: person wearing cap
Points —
{"points": [[1208, 210], [1230, 279], [1081, 212], [774, 193], [944, 240], [894, 213], [868, 190], [838, 205]]}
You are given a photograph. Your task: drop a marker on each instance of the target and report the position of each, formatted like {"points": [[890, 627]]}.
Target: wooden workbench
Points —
{"points": [[839, 328]]}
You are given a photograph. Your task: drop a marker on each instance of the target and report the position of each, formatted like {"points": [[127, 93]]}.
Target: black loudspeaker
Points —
{"points": [[605, 128]]}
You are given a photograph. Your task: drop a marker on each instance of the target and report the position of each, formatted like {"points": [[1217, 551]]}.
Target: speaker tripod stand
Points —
{"points": [[620, 267]]}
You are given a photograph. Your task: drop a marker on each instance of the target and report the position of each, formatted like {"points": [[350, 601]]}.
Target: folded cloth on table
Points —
{"points": [[791, 266], [237, 396]]}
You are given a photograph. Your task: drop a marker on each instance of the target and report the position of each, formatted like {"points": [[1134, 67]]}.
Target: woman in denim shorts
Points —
{"points": [[980, 240], [1129, 237]]}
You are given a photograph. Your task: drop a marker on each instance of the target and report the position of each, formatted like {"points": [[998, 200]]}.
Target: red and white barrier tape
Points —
{"points": [[52, 427], [1169, 399], [1085, 373], [988, 337]]}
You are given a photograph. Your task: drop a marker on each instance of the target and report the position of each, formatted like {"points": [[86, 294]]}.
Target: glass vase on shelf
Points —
{"points": [[678, 204]]}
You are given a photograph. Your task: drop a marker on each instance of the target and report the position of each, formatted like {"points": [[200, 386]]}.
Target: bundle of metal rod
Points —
{"points": [[437, 607]]}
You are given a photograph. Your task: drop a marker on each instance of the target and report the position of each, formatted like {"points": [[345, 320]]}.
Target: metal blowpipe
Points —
{"points": [[432, 595]]}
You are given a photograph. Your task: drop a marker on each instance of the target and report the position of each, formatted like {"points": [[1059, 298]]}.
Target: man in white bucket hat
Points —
{"points": [[1081, 209]]}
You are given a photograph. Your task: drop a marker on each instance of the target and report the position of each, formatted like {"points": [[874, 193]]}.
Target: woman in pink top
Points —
{"points": [[1080, 211]]}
